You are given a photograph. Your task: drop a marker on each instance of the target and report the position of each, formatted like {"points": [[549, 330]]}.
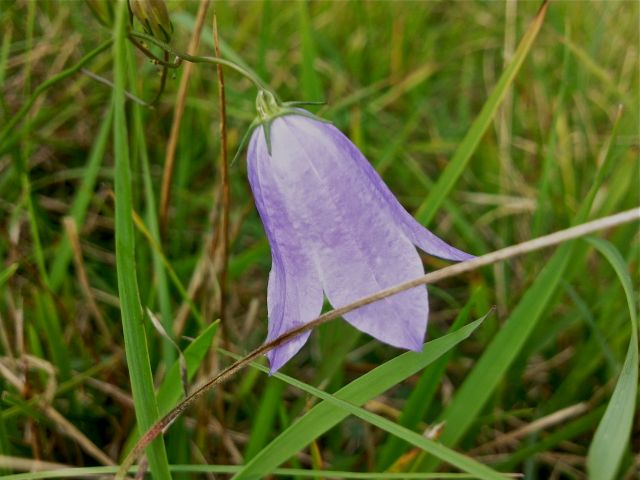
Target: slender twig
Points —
{"points": [[163, 81], [453, 270], [196, 59], [224, 182], [160, 61], [170, 156], [109, 84]]}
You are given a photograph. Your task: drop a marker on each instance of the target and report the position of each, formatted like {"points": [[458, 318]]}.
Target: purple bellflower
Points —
{"points": [[335, 229]]}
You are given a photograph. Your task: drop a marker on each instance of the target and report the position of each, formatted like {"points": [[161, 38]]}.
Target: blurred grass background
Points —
{"points": [[404, 80]]}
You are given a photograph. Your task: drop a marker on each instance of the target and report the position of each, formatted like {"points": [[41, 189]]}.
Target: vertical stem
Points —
{"points": [[131, 310], [224, 180], [170, 156]]}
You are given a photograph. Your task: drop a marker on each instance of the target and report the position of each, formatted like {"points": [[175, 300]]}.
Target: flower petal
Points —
{"points": [[294, 294], [357, 247], [339, 148]]}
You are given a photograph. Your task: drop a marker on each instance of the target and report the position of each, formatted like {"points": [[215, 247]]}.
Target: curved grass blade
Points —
{"points": [[498, 357], [421, 397], [458, 460], [612, 435], [84, 472], [324, 416], [7, 273]]}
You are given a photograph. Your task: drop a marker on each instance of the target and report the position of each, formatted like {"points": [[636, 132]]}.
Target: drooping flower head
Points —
{"points": [[335, 229]]}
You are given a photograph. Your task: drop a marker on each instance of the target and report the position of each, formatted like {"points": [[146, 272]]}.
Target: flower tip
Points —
{"points": [[418, 347], [275, 362]]}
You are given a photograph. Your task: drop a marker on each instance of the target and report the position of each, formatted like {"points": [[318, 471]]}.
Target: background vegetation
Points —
{"points": [[405, 81]]}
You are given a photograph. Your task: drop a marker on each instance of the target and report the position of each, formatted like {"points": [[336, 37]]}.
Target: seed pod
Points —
{"points": [[154, 17]]}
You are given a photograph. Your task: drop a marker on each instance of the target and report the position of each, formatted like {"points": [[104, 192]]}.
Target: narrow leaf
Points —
{"points": [[324, 416], [612, 435]]}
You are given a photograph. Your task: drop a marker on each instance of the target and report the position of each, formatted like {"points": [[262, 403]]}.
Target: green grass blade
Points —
{"points": [[434, 448], [171, 388], [612, 435], [83, 472], [7, 273], [461, 158], [511, 339], [137, 353], [159, 272], [325, 415], [421, 396], [263, 420], [311, 87], [481, 383]]}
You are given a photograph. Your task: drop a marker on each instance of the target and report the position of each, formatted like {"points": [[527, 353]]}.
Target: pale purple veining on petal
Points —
{"points": [[294, 293], [333, 225], [340, 148]]}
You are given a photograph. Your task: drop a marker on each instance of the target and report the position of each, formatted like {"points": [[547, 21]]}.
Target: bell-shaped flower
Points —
{"points": [[335, 229]]}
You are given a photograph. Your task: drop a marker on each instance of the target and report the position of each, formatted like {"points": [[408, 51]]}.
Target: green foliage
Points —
{"points": [[493, 125]]}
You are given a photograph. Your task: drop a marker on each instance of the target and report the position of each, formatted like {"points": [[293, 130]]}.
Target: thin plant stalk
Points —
{"points": [[181, 98], [224, 181]]}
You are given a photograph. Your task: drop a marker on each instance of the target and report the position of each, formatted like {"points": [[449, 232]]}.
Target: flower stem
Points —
{"points": [[198, 59]]}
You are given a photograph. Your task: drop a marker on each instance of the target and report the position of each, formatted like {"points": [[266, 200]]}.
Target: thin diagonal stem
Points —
{"points": [[447, 272]]}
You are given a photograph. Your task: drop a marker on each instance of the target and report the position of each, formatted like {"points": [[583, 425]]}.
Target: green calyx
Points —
{"points": [[269, 108]]}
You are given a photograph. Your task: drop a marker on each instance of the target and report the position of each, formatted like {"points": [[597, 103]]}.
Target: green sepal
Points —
{"points": [[256, 122]]}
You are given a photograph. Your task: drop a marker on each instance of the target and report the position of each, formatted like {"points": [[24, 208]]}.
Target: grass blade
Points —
{"points": [[325, 415], [436, 449], [612, 435], [421, 397], [502, 351], [131, 309]]}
